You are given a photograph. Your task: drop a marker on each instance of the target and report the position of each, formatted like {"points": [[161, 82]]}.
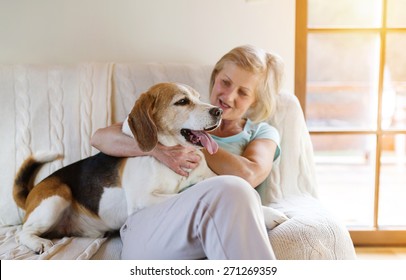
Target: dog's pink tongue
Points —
{"points": [[207, 142]]}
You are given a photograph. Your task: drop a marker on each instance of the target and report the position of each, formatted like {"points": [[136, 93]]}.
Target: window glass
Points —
{"points": [[342, 80], [392, 194], [344, 13], [394, 93], [396, 13], [345, 175]]}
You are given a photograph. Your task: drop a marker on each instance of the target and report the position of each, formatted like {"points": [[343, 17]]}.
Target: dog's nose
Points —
{"points": [[217, 112]]}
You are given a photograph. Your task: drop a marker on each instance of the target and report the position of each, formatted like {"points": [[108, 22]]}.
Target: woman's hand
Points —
{"points": [[178, 158]]}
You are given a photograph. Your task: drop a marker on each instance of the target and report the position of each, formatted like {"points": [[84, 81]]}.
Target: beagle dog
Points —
{"points": [[95, 196]]}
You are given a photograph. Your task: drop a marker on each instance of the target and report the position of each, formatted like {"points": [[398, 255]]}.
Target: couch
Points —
{"points": [[59, 107]]}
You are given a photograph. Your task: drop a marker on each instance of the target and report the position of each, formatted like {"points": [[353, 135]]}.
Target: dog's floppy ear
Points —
{"points": [[142, 124]]}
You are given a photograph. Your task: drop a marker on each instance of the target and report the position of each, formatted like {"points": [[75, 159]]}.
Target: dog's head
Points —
{"points": [[172, 113]]}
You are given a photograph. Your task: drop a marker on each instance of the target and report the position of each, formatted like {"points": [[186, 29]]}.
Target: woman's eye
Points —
{"points": [[225, 82], [182, 102], [243, 93]]}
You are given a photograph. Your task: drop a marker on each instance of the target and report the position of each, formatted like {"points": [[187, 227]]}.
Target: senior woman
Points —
{"points": [[220, 217]]}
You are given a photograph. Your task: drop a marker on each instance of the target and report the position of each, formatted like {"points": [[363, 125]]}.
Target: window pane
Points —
{"points": [[392, 195], [345, 174], [394, 94], [396, 13], [342, 80], [344, 13]]}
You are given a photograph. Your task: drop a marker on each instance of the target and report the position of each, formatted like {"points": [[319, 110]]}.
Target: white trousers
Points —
{"points": [[220, 218]]}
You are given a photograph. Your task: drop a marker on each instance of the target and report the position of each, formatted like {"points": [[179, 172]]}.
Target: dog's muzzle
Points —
{"points": [[200, 138]]}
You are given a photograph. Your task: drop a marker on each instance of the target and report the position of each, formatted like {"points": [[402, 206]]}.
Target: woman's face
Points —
{"points": [[234, 91]]}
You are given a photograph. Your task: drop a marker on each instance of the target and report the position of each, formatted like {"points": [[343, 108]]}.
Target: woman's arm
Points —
{"points": [[254, 165], [111, 141]]}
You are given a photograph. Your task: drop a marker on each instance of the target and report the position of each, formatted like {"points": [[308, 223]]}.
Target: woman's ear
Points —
{"points": [[142, 124]]}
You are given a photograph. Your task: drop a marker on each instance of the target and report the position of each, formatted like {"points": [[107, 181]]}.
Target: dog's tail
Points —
{"points": [[24, 179]]}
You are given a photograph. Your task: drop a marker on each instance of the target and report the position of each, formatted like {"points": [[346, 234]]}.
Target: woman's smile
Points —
{"points": [[223, 105]]}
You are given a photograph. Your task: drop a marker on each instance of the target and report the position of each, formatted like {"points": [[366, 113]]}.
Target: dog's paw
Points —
{"points": [[37, 244], [273, 217], [42, 245]]}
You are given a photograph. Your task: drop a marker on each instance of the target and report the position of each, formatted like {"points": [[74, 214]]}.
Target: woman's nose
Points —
{"points": [[229, 94]]}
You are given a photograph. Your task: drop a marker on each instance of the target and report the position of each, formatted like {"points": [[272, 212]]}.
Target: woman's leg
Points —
{"points": [[219, 218]]}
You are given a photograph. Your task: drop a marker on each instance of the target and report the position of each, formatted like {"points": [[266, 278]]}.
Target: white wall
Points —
{"points": [[179, 31]]}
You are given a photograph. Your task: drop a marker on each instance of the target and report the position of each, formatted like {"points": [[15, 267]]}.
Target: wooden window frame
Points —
{"points": [[377, 235]]}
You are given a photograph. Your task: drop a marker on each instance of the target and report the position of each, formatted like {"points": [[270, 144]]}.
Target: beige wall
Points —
{"points": [[179, 31]]}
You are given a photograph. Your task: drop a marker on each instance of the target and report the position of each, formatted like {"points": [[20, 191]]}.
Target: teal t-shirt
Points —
{"points": [[236, 144]]}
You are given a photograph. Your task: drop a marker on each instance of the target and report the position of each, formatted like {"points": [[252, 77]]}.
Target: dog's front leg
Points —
{"points": [[29, 237]]}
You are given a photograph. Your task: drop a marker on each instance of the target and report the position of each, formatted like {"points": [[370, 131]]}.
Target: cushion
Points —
{"points": [[311, 233]]}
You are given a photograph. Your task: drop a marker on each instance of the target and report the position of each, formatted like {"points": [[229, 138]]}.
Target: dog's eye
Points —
{"points": [[182, 102]]}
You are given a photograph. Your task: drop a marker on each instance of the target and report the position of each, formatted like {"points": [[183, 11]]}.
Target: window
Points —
{"points": [[350, 78]]}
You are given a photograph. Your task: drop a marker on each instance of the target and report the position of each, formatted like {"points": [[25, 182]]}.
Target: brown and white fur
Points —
{"points": [[95, 195]]}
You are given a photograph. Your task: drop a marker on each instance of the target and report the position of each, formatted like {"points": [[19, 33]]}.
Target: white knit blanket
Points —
{"points": [[69, 248], [50, 108]]}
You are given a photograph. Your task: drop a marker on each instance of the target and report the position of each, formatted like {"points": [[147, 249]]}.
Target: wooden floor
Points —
{"points": [[381, 253]]}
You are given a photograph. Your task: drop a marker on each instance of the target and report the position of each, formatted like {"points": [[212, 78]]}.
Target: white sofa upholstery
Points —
{"points": [[58, 108]]}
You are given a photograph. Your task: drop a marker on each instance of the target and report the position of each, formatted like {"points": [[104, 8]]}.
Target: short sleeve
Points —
{"points": [[264, 130]]}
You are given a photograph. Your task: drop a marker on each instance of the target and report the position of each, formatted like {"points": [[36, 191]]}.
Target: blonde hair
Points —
{"points": [[268, 66]]}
